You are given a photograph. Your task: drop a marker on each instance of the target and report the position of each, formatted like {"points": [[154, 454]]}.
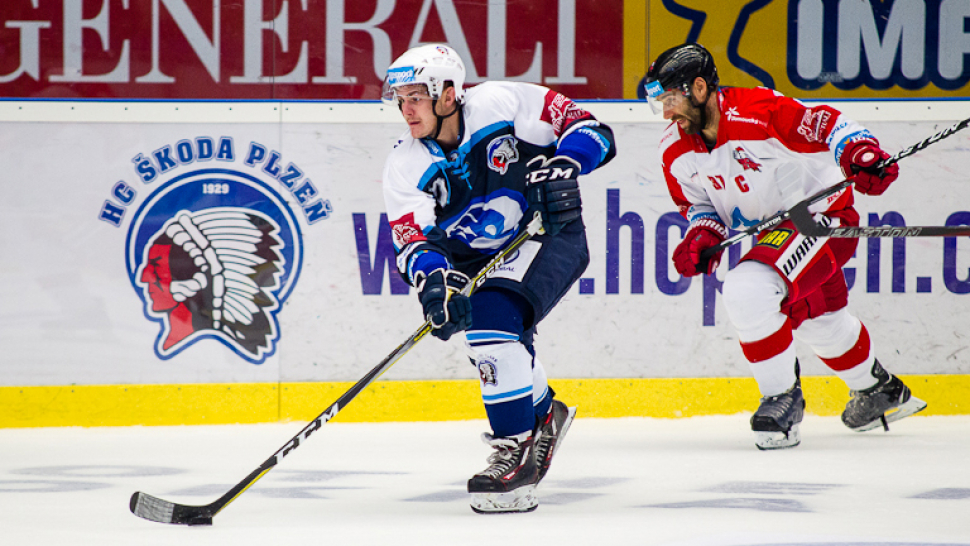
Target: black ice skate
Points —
{"points": [[509, 482], [549, 434], [775, 424], [889, 400]]}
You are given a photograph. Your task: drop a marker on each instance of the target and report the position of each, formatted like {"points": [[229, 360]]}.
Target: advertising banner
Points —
{"points": [[142, 253], [296, 49], [815, 48], [337, 49]]}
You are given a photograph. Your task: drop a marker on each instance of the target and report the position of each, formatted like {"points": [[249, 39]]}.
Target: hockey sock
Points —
{"points": [[511, 385], [842, 342]]}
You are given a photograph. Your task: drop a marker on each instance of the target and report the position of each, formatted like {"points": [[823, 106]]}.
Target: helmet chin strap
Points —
{"points": [[441, 119]]}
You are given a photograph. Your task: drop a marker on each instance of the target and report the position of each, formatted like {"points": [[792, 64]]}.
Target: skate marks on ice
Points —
{"points": [[297, 484], [699, 479], [552, 492]]}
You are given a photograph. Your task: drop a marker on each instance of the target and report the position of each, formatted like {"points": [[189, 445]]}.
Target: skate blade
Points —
{"points": [[907, 408], [522, 499], [768, 440], [565, 428]]}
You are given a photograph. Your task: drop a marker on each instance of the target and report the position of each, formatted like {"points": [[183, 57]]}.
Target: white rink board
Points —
{"points": [[70, 314]]}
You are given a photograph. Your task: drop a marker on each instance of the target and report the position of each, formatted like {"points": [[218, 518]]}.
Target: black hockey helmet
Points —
{"points": [[677, 68]]}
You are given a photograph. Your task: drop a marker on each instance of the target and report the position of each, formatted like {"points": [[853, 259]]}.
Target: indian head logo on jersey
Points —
{"points": [[742, 157], [502, 152], [213, 254]]}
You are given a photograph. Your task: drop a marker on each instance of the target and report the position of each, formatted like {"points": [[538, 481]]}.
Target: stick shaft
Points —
{"points": [[780, 217], [155, 509]]}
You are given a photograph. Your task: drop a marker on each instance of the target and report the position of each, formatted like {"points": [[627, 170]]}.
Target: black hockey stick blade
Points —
{"points": [[159, 510], [152, 508], [807, 226]]}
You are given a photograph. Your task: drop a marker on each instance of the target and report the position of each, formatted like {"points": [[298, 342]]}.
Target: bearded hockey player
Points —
{"points": [[733, 157], [464, 179]]}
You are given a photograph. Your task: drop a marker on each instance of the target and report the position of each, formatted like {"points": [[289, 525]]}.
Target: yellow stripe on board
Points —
{"points": [[385, 401]]}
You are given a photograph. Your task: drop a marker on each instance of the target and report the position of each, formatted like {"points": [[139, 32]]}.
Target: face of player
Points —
{"points": [[678, 108], [418, 109], [157, 276]]}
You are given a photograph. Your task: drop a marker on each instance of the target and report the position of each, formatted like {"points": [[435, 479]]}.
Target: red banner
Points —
{"points": [[297, 49]]}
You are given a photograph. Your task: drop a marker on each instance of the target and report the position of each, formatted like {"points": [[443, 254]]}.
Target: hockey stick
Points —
{"points": [[803, 205], [152, 508], [807, 226]]}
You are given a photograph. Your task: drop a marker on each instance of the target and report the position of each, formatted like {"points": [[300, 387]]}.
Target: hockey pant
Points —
{"points": [[513, 382], [791, 287]]}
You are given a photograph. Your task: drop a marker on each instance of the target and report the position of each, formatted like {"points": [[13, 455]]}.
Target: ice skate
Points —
{"points": [[509, 482], [550, 433], [776, 422], [889, 400]]}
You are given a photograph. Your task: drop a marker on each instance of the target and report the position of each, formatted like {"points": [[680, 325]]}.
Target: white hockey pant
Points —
{"points": [[753, 293]]}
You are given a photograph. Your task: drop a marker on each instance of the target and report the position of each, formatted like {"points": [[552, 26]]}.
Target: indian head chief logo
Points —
{"points": [[213, 254]]}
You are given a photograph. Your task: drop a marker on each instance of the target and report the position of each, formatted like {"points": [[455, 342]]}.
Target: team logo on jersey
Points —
{"points": [[488, 222], [813, 125], [776, 238], [560, 112], [405, 231], [742, 157], [486, 370], [502, 152]]}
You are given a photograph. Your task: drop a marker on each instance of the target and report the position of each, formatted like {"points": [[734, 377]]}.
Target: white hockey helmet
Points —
{"points": [[431, 65]]}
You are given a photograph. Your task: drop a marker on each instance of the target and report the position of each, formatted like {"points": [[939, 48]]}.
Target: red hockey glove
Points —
{"points": [[702, 235], [859, 159]]}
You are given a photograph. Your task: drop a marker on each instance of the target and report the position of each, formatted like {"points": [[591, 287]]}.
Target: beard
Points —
{"points": [[692, 121]]}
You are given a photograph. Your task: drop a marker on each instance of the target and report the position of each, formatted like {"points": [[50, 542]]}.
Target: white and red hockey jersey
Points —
{"points": [[759, 130]]}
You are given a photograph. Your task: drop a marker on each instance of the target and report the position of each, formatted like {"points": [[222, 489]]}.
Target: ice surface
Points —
{"points": [[685, 482]]}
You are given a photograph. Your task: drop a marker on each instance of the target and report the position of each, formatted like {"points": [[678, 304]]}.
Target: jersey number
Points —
{"points": [[718, 182]]}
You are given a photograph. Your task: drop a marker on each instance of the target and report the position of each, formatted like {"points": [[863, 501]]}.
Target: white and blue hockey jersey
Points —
{"points": [[464, 206]]}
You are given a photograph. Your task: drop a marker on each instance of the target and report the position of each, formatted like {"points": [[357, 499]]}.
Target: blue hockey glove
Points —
{"points": [[444, 305], [553, 190]]}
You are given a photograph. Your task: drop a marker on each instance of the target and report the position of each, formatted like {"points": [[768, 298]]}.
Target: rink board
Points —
{"points": [[405, 401], [78, 317]]}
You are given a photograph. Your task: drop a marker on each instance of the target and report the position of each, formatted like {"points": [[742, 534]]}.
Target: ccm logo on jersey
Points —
{"points": [[551, 173], [776, 238]]}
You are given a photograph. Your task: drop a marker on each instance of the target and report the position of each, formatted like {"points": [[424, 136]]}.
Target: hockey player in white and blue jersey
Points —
{"points": [[458, 187]]}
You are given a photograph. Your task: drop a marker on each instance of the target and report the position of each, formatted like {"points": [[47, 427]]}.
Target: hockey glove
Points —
{"points": [[444, 305], [859, 159], [702, 235], [553, 190]]}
